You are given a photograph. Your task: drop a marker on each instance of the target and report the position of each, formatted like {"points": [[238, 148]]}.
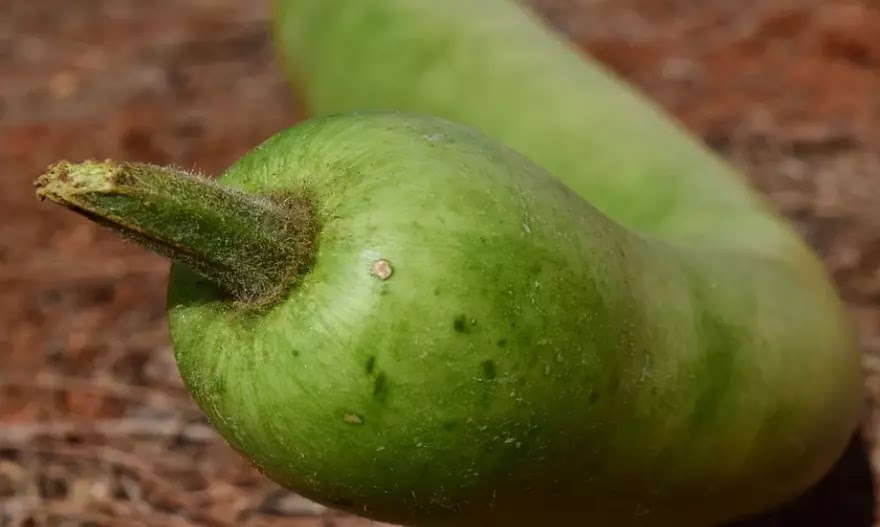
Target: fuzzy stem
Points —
{"points": [[252, 247]]}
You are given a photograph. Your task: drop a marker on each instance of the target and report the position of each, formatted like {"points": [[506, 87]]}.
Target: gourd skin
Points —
{"points": [[614, 331], [491, 66], [528, 360]]}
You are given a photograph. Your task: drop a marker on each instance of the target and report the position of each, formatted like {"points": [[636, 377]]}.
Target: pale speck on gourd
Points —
{"points": [[381, 269], [353, 419]]}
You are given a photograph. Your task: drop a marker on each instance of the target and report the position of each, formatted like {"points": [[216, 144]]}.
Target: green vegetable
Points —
{"points": [[410, 318]]}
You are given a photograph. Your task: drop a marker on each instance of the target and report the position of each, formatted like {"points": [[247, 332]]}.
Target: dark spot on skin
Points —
{"points": [[371, 364], [436, 291], [532, 431], [502, 343], [488, 369], [614, 384], [482, 239], [295, 353], [380, 386], [450, 425], [460, 324], [513, 324], [383, 292], [594, 397]]}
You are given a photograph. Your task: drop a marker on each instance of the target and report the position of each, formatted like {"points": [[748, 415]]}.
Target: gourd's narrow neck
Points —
{"points": [[252, 247]]}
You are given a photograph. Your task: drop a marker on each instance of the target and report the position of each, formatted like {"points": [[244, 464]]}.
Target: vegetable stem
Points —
{"points": [[252, 247]]}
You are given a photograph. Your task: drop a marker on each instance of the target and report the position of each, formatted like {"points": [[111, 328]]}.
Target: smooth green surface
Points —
{"points": [[497, 69], [678, 358], [528, 361]]}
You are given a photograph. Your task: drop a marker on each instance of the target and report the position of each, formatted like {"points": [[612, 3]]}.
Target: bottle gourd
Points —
{"points": [[487, 283]]}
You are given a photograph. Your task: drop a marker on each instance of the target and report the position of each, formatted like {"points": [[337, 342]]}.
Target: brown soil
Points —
{"points": [[95, 427]]}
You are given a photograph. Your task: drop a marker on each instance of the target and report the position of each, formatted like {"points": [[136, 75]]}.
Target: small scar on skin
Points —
{"points": [[381, 269], [353, 419]]}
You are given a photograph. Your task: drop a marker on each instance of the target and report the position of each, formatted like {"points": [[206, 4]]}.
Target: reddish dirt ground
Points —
{"points": [[95, 427]]}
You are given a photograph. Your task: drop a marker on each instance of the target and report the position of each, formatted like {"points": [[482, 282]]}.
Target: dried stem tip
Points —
{"points": [[251, 246]]}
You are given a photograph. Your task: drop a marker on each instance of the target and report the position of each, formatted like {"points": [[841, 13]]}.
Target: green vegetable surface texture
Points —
{"points": [[490, 284]]}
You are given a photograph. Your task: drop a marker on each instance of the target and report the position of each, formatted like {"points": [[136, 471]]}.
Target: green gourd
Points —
{"points": [[488, 284]]}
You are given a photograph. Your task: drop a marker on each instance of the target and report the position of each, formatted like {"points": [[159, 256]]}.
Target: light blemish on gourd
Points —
{"points": [[381, 269], [526, 219], [353, 419]]}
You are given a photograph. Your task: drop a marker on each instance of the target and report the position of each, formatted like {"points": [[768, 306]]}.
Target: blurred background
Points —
{"points": [[95, 427]]}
